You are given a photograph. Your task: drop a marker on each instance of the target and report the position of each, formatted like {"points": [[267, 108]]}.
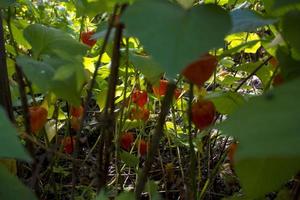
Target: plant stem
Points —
{"points": [[158, 133], [121, 124], [88, 98], [191, 190], [5, 95], [212, 176], [253, 73], [106, 148]]}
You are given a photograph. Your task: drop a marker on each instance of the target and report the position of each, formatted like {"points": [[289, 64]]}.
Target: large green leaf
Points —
{"points": [[17, 27], [39, 73], [259, 176], [291, 29], [226, 102], [63, 77], [279, 7], [175, 36], [286, 4], [69, 77], [290, 67], [47, 40], [244, 46], [129, 159], [10, 146], [186, 3], [11, 187], [92, 7], [6, 3], [239, 2], [244, 20], [264, 73], [66, 89], [268, 131], [147, 66], [102, 195], [125, 196], [220, 2], [236, 41]]}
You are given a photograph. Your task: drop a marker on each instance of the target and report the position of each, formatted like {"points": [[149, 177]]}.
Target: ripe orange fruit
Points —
{"points": [[274, 62], [203, 113], [143, 147], [177, 93], [140, 97], [76, 111], [169, 168], [75, 123], [69, 144], [117, 20], [139, 114], [38, 118], [161, 89], [278, 80], [126, 141], [86, 38], [201, 70], [145, 114], [231, 152]]}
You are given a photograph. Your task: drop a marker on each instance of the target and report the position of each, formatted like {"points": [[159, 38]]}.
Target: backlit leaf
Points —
{"points": [[11, 187], [174, 36], [10, 146], [267, 128]]}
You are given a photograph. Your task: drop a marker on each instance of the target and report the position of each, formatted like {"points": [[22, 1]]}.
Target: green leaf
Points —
{"points": [[128, 124], [279, 7], [226, 62], [39, 73], [10, 146], [17, 27], [47, 40], [66, 89], [268, 131], [6, 3], [279, 3], [284, 194], [92, 7], [236, 196], [228, 80], [125, 196], [151, 187], [11, 187], [260, 176], [186, 4], [68, 85], [174, 36], [289, 67], [102, 195], [226, 102], [219, 2], [247, 46], [237, 2], [129, 159], [244, 20], [148, 67], [291, 29], [47, 76], [264, 73], [238, 39]]}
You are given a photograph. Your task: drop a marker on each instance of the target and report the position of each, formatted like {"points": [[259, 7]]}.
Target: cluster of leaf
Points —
{"points": [[266, 127], [174, 35]]}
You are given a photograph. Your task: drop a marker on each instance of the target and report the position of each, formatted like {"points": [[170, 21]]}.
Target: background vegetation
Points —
{"points": [[149, 99]]}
